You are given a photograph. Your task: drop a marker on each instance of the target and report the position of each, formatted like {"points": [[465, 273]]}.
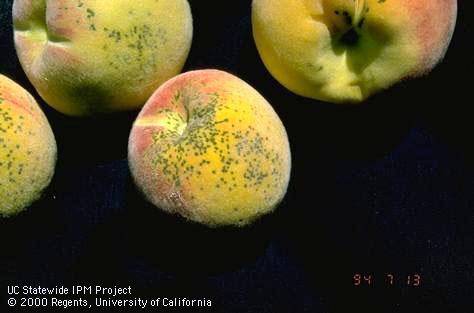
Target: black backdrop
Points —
{"points": [[383, 188]]}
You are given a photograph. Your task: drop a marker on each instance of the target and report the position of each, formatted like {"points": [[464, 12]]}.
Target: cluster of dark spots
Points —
{"points": [[256, 154], [254, 174], [7, 124], [11, 124], [20, 168], [238, 155], [350, 37], [204, 162], [90, 14], [114, 34], [136, 41], [346, 15], [9, 156], [227, 163], [176, 97], [200, 136], [80, 3]]}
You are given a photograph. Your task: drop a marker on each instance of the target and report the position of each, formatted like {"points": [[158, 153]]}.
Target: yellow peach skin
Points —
{"points": [[88, 57], [209, 147], [346, 50], [27, 149]]}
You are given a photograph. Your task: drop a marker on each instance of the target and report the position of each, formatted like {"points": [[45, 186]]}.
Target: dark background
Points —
{"points": [[382, 188]]}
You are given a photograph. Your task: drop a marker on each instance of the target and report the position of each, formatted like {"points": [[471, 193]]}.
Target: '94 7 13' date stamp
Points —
{"points": [[388, 279]]}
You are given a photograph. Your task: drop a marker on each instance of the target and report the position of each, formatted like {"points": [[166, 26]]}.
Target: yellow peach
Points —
{"points": [[27, 149], [209, 147], [87, 57], [346, 50]]}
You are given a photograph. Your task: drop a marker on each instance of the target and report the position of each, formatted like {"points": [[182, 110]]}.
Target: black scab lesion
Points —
{"points": [[116, 35], [347, 18], [176, 97], [20, 169], [90, 13]]}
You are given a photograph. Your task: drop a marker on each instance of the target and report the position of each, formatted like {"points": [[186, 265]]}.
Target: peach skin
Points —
{"points": [[88, 57], [346, 50], [209, 147], [27, 149]]}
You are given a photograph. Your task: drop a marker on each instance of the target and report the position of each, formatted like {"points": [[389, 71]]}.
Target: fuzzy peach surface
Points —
{"points": [[27, 149], [346, 50], [87, 57], [209, 147]]}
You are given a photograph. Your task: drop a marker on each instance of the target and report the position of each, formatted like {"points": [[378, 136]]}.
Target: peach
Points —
{"points": [[87, 57], [27, 149], [209, 147], [346, 50]]}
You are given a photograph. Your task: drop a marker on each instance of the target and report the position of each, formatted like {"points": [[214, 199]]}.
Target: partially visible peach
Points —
{"points": [[27, 149], [346, 50], [87, 57], [209, 147]]}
